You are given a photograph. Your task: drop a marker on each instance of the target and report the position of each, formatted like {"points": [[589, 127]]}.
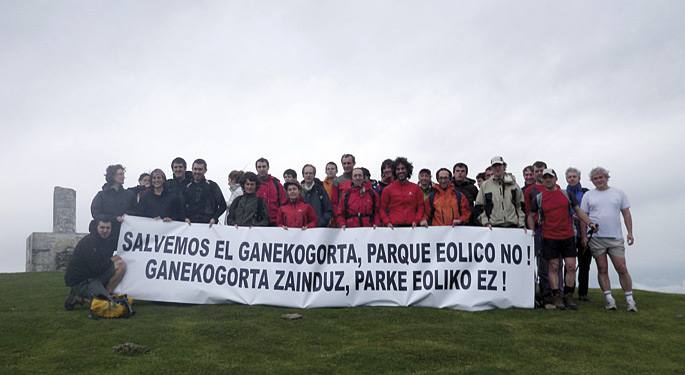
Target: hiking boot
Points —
{"points": [[71, 301], [570, 303], [610, 306], [558, 302], [632, 307]]}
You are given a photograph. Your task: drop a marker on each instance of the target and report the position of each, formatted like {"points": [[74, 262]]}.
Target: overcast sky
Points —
{"points": [[85, 84]]}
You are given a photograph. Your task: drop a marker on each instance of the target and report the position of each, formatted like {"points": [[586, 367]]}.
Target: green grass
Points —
{"points": [[38, 336]]}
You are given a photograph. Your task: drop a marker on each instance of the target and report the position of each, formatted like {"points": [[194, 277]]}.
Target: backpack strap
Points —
{"points": [[489, 205], [373, 205], [514, 201], [260, 208], [570, 203], [346, 202], [458, 194], [538, 202], [278, 192]]}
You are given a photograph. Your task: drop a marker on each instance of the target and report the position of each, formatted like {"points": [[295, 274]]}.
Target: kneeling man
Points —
{"points": [[93, 271]]}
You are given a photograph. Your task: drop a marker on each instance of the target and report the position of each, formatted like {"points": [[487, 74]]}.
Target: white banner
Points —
{"points": [[467, 268]]}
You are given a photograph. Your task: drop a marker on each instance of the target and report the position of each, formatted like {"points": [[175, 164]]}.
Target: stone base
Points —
{"points": [[50, 251]]}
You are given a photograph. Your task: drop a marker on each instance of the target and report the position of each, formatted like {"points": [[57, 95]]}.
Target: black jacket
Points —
{"points": [[91, 259], [110, 203], [467, 188], [203, 201], [178, 186], [164, 205], [318, 199], [248, 210]]}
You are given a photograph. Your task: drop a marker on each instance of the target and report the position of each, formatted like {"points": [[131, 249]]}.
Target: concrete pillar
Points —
{"points": [[64, 210]]}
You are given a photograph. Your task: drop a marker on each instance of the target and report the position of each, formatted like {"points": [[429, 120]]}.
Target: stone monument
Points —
{"points": [[51, 251]]}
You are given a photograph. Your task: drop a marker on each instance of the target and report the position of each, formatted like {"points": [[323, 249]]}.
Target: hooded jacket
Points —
{"points": [[468, 188], [317, 197], [501, 201], [296, 215], [110, 202], [91, 259], [445, 208], [248, 210], [203, 201], [402, 204], [177, 187], [273, 194], [359, 209]]}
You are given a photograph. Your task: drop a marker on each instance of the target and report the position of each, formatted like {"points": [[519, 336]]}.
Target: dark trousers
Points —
{"points": [[584, 262], [543, 267]]}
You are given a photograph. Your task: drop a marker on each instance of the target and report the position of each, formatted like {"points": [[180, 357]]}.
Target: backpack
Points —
{"points": [[346, 203], [431, 200], [541, 214], [119, 306]]}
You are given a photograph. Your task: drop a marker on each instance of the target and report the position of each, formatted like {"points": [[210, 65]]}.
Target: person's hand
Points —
{"points": [[525, 230], [594, 227], [489, 226], [424, 223], [236, 226], [167, 219], [187, 221], [343, 227], [413, 225], [374, 226], [284, 227], [456, 222], [390, 226], [120, 218], [304, 227], [211, 222], [631, 240]]}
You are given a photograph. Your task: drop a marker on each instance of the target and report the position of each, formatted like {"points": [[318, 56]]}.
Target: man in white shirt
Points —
{"points": [[605, 205]]}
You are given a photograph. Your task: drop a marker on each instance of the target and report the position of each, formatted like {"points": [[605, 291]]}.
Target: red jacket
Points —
{"points": [[360, 210], [296, 215], [338, 192], [271, 191], [444, 209], [402, 204]]}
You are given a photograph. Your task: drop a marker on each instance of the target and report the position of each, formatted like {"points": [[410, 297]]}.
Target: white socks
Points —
{"points": [[609, 298], [629, 297]]}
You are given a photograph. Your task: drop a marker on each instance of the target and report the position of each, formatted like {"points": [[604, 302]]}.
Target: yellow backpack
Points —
{"points": [[119, 306]]}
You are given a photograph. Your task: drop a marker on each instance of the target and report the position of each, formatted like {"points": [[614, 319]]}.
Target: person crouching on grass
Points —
{"points": [[93, 271], [295, 213]]}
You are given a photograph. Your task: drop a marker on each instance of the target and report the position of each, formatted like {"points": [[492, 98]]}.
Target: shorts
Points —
{"points": [[602, 245], [552, 249], [89, 288]]}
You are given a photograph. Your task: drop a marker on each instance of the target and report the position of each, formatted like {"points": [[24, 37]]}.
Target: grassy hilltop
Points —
{"points": [[38, 336]]}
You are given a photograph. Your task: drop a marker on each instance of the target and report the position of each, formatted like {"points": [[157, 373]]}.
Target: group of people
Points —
{"points": [[560, 218]]}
